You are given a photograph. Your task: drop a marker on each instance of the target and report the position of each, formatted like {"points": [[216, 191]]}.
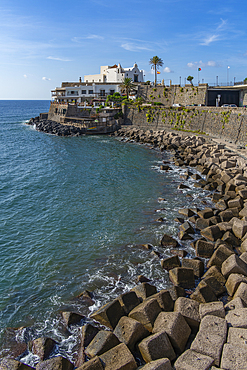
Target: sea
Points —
{"points": [[75, 213]]}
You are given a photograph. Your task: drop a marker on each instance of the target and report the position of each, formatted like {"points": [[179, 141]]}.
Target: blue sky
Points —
{"points": [[45, 43]]}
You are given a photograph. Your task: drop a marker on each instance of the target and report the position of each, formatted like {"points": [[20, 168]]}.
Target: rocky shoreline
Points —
{"points": [[55, 128], [201, 322]]}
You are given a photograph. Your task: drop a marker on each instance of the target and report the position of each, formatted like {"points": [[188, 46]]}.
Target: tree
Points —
{"points": [[245, 80], [156, 62], [126, 86], [190, 79]]}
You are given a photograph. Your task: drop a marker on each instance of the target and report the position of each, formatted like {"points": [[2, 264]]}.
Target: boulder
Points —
{"points": [[164, 300], [241, 292], [183, 235], [243, 257], [234, 304], [243, 212], [170, 262], [203, 293], [182, 277], [212, 308], [176, 292], [130, 331], [219, 256], [176, 327], [203, 223], [193, 360], [234, 357], [236, 202], [109, 314], [237, 318], [161, 364], [144, 290], [239, 228], [230, 239], [226, 215], [186, 212], [55, 363], [214, 271], [102, 342], [212, 233], [196, 264], [42, 347], [71, 318], [128, 301], [156, 346], [93, 364], [233, 282], [237, 336], [87, 333], [233, 265], [10, 364], [204, 248], [12, 342], [217, 287], [168, 241], [146, 313], [190, 311], [118, 358], [206, 213], [211, 337], [186, 226]]}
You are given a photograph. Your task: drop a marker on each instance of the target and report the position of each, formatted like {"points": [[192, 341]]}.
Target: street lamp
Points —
{"points": [[228, 67]]}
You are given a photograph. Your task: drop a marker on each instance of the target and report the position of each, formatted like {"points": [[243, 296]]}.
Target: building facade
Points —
{"points": [[97, 86], [116, 74]]}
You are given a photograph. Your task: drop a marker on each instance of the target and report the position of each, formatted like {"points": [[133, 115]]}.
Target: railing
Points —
{"points": [[74, 94]]}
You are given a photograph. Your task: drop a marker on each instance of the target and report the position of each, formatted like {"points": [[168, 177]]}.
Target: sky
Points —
{"points": [[44, 43]]}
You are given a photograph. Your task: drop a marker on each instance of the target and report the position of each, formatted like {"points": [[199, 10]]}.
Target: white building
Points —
{"points": [[97, 86], [116, 73]]}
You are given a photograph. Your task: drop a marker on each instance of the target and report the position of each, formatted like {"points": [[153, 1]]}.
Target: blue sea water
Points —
{"points": [[74, 212]]}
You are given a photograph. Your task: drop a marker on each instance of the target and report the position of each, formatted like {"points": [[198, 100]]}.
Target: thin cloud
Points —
{"points": [[130, 46], [222, 24], [168, 70], [46, 79], [208, 40], [89, 37], [200, 64], [60, 59], [25, 76], [217, 34]]}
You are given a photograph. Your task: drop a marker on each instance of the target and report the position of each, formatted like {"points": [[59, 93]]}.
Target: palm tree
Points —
{"points": [[126, 86], [156, 62], [190, 79]]}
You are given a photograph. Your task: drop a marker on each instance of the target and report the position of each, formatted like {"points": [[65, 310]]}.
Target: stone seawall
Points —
{"points": [[229, 124], [174, 94]]}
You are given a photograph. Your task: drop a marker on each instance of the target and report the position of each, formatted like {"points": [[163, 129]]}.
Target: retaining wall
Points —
{"points": [[174, 94], [229, 124]]}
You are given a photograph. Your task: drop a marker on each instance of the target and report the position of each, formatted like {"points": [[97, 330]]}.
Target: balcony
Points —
{"points": [[72, 93]]}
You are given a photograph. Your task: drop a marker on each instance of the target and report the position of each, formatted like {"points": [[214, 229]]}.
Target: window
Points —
{"points": [[84, 91], [102, 92], [112, 92], [90, 91], [127, 74]]}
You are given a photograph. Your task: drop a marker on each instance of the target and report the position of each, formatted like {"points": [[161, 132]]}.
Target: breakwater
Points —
{"points": [[189, 323], [229, 124]]}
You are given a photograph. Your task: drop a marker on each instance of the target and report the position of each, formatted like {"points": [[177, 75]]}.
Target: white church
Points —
{"points": [[107, 82], [116, 74]]}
